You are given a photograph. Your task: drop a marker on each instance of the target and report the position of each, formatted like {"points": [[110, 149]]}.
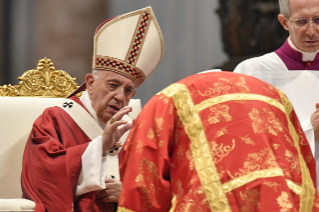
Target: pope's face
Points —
{"points": [[109, 93], [305, 38]]}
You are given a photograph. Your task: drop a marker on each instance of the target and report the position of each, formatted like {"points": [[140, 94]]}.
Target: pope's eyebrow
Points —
{"points": [[113, 80]]}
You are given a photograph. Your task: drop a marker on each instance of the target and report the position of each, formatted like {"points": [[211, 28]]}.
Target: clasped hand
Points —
{"points": [[112, 191]]}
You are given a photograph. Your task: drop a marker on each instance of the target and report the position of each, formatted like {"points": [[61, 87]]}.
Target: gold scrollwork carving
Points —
{"points": [[43, 81]]}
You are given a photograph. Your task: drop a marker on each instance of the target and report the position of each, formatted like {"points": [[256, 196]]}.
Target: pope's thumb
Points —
{"points": [[317, 105]]}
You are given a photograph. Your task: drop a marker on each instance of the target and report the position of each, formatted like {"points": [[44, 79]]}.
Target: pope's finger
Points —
{"points": [[110, 180], [112, 186], [125, 128], [110, 199], [125, 110], [107, 192], [117, 124]]}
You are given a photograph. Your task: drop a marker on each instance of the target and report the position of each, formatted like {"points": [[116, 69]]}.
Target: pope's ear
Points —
{"points": [[282, 19], [89, 79]]}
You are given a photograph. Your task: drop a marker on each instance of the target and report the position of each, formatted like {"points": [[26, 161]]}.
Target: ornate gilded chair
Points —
{"points": [[20, 105]]}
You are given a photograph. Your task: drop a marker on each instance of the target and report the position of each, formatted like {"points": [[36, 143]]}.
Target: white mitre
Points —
{"points": [[130, 44]]}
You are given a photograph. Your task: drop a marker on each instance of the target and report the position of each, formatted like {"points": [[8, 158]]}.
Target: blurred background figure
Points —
{"points": [[198, 35]]}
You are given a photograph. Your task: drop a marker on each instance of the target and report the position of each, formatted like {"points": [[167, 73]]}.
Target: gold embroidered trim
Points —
{"points": [[204, 164], [237, 96], [137, 42], [121, 209], [240, 181], [119, 66], [307, 195], [174, 202], [294, 187]]}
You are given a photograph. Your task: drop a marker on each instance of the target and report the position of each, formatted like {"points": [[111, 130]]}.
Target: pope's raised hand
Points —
{"points": [[314, 119], [111, 134]]}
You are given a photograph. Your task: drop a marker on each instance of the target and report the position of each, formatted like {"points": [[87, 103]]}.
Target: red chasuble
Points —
{"points": [[52, 164], [218, 142]]}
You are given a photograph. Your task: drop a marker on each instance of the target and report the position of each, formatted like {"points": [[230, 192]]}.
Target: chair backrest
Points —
{"points": [[20, 105]]}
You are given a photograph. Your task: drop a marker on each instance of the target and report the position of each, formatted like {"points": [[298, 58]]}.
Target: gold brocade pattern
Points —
{"points": [[158, 125], [161, 143], [309, 157], [264, 121], [265, 159], [139, 147], [284, 202], [188, 113], [191, 200], [270, 89], [199, 145], [295, 165], [224, 85], [121, 209], [165, 99], [301, 137], [141, 124], [151, 134], [287, 173], [294, 187], [220, 170], [302, 141], [275, 146], [190, 158], [147, 175], [174, 201], [289, 140], [221, 132], [247, 140], [219, 114], [249, 201], [261, 160], [243, 180], [233, 97], [179, 189], [307, 189], [188, 204], [171, 109], [180, 153], [272, 185], [220, 151]]}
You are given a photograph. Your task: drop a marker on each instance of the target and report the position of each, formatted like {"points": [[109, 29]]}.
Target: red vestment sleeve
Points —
{"points": [[305, 147], [145, 169], [52, 161]]}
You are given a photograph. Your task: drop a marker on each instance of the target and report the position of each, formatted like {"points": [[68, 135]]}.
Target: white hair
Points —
{"points": [[284, 8], [95, 74]]}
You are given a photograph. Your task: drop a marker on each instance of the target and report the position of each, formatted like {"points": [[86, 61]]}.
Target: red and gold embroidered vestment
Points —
{"points": [[218, 141]]}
